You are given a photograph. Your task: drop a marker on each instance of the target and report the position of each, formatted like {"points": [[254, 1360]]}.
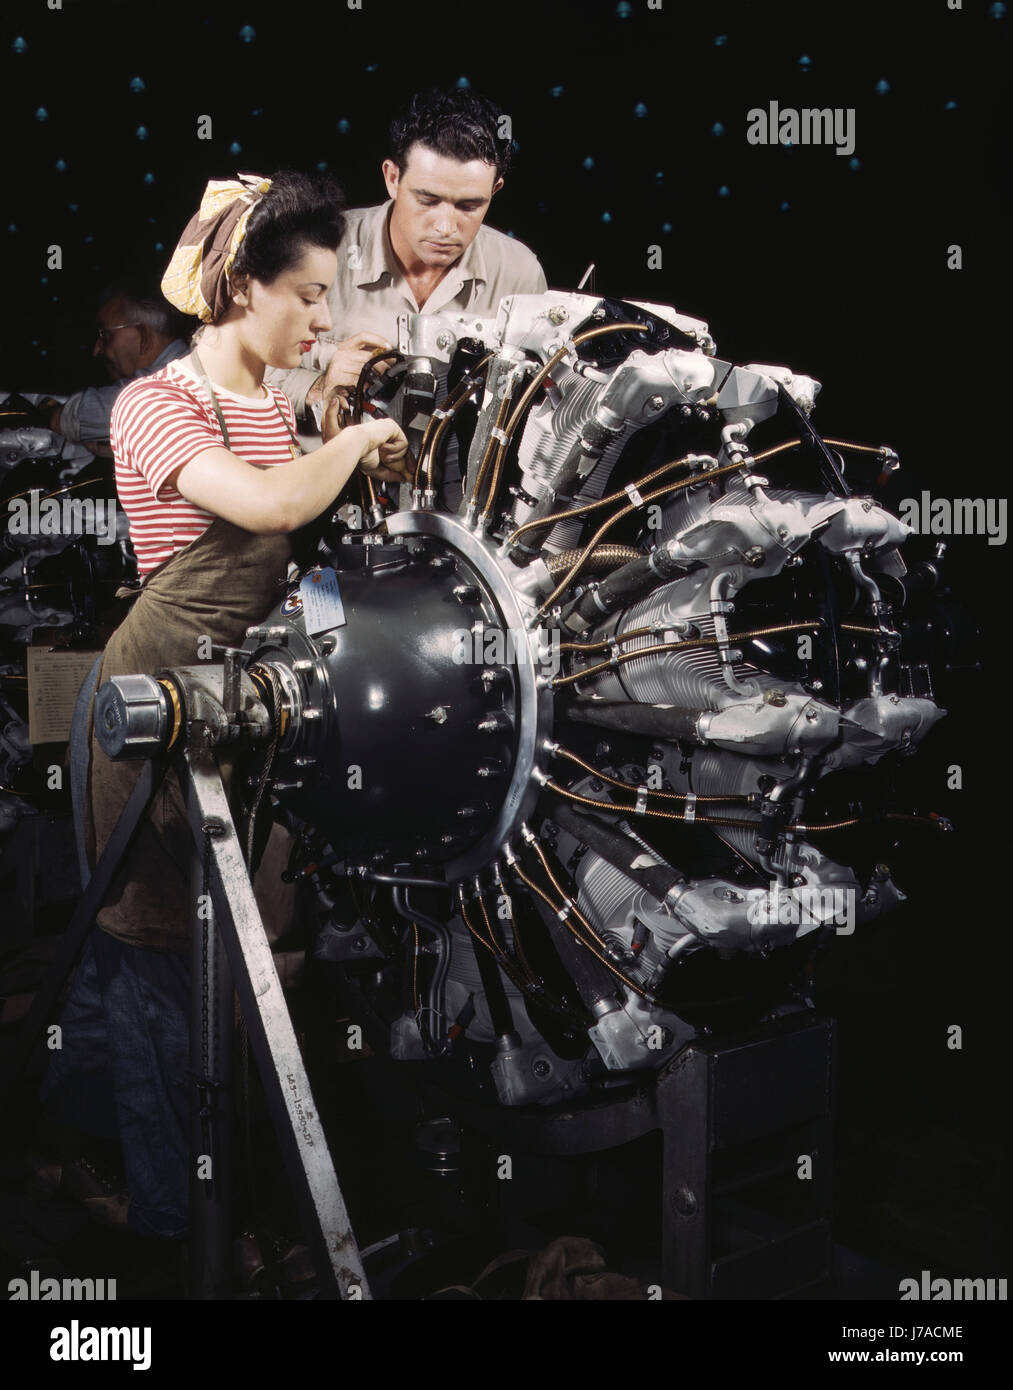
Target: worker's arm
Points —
{"points": [[278, 500]]}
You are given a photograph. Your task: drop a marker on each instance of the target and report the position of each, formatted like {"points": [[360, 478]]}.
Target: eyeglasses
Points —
{"points": [[105, 334]]}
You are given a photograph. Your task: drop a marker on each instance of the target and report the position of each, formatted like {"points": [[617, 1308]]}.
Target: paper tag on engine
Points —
{"points": [[321, 602]]}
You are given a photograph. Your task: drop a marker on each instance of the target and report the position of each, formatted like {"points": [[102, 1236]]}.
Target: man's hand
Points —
{"points": [[344, 367]]}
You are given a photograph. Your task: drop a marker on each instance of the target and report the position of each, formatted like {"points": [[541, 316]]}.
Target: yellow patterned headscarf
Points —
{"points": [[197, 278]]}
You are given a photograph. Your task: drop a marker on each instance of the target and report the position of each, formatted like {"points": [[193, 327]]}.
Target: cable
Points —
{"points": [[529, 395], [625, 511], [621, 658], [552, 786], [563, 913], [561, 752], [586, 507]]}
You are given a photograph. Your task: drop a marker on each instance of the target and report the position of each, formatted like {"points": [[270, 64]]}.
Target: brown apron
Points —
{"points": [[216, 587]]}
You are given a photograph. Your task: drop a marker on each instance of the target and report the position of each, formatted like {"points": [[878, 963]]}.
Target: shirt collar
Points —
{"points": [[169, 353], [378, 255]]}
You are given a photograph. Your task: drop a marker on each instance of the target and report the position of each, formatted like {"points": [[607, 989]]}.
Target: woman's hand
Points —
{"points": [[385, 451]]}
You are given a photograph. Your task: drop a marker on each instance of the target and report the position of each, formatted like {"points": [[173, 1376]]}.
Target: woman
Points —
{"points": [[210, 474]]}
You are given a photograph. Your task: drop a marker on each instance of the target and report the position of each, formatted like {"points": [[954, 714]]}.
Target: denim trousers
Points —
{"points": [[120, 1072]]}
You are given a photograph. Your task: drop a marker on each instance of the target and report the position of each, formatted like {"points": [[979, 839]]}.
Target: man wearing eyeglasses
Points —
{"points": [[137, 333]]}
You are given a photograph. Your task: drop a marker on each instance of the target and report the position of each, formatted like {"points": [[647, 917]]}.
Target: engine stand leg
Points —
{"points": [[272, 1037]]}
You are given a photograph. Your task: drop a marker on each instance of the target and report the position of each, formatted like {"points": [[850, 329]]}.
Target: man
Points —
{"points": [[425, 249], [137, 333]]}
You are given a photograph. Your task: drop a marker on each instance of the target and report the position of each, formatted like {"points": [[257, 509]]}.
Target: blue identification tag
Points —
{"points": [[321, 601]]}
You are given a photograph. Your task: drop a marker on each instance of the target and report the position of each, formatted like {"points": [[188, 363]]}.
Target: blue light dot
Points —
{"points": [[882, 87], [640, 110], [142, 132], [515, 145], [666, 227], [137, 84], [785, 207], [151, 221], [606, 217], [35, 342], [724, 191], [950, 106], [257, 111], [997, 11], [717, 128], [43, 352], [55, 298], [11, 227], [624, 9], [805, 62], [557, 91], [344, 127], [720, 40], [149, 178], [42, 114], [44, 280], [462, 83], [88, 240], [159, 246], [235, 148], [659, 176], [322, 166], [247, 34], [588, 163], [375, 67], [854, 163], [510, 233], [60, 166], [19, 45]]}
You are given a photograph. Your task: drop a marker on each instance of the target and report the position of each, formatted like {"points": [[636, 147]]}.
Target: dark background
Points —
{"points": [[836, 266]]}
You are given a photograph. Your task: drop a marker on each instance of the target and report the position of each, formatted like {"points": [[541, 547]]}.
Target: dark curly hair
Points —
{"points": [[297, 211], [458, 124]]}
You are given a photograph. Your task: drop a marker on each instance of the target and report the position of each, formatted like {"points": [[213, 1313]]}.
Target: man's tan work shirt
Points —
{"points": [[370, 290]]}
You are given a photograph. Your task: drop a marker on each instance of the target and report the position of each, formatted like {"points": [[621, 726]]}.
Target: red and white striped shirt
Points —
{"points": [[160, 423]]}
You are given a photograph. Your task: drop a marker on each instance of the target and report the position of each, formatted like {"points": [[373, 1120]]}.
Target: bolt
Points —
{"points": [[558, 314], [754, 556], [437, 715], [812, 716], [777, 698], [466, 593], [655, 403], [540, 1067], [360, 943], [443, 341]]}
